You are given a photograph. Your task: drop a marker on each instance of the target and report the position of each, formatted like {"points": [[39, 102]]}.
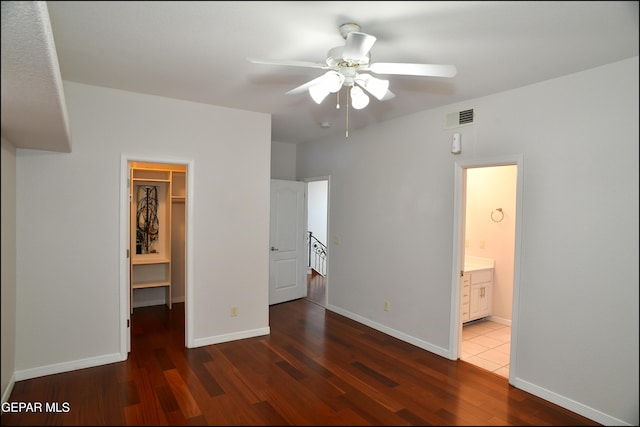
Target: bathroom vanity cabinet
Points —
{"points": [[476, 291], [480, 295]]}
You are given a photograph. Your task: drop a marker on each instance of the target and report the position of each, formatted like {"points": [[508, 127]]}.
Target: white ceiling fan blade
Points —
{"points": [[388, 95], [306, 85], [289, 63], [357, 46], [331, 82], [426, 70]]}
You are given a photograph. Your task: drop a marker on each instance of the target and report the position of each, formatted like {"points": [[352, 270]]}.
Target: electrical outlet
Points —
{"points": [[386, 306], [234, 311]]}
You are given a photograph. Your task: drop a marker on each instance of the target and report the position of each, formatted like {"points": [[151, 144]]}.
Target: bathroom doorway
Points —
{"points": [[484, 312]]}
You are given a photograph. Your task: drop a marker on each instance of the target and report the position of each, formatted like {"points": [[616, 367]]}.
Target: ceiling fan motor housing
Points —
{"points": [[347, 28], [349, 74], [335, 59]]}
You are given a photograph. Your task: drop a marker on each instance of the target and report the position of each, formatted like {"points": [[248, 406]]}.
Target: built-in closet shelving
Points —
{"points": [[154, 189]]}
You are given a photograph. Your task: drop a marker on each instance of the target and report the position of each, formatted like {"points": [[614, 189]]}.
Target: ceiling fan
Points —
{"points": [[350, 65]]}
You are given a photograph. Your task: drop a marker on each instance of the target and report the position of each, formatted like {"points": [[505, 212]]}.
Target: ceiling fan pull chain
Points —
{"points": [[346, 133]]}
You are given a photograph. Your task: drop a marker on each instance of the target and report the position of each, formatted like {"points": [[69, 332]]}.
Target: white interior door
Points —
{"points": [[287, 243]]}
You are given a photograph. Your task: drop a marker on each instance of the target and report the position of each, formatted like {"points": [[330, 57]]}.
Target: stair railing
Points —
{"points": [[317, 254]]}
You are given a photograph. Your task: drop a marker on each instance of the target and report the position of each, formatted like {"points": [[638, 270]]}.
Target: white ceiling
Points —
{"points": [[198, 51]]}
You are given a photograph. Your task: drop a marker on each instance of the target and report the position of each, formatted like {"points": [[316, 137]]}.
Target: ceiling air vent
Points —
{"points": [[459, 118]]}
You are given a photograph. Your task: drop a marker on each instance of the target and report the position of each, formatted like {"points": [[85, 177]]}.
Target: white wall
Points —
{"points": [[8, 285], [68, 207], [283, 161], [317, 192], [392, 189]]}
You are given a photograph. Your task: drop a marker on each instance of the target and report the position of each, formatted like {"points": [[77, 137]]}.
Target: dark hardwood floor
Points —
{"points": [[316, 288], [315, 368]]}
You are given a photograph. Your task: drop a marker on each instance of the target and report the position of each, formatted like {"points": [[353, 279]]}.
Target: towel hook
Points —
{"points": [[497, 217]]}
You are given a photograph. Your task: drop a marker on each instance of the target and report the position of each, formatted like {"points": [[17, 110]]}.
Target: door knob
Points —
{"points": [[274, 249]]}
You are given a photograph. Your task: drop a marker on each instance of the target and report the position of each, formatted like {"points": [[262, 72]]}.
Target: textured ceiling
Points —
{"points": [[34, 113], [198, 51]]}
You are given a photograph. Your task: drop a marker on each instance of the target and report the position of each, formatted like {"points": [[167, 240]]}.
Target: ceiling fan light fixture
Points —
{"points": [[318, 92], [333, 81], [359, 99], [376, 87]]}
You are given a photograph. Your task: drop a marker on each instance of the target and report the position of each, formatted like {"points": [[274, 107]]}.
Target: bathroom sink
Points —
{"points": [[474, 267], [473, 263]]}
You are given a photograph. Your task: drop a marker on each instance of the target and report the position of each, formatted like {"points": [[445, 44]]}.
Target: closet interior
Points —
{"points": [[157, 195]]}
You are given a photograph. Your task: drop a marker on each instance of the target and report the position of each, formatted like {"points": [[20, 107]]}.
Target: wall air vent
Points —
{"points": [[459, 118]]}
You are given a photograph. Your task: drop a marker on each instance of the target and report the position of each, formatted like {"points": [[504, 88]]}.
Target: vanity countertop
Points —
{"points": [[473, 263]]}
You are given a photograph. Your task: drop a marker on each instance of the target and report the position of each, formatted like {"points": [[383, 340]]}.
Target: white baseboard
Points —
{"points": [[232, 337], [500, 320], [73, 365], [7, 391], [569, 404]]}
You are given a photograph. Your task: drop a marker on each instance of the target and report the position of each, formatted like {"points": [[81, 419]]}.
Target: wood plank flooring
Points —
{"points": [[316, 288], [315, 368]]}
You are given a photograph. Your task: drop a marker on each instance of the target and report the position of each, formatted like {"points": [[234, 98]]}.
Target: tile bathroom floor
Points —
{"points": [[487, 344]]}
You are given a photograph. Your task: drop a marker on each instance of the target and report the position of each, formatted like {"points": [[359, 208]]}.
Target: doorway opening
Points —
{"points": [[317, 239], [486, 260], [155, 223]]}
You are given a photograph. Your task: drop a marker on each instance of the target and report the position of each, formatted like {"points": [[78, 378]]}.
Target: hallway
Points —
{"points": [[316, 288]]}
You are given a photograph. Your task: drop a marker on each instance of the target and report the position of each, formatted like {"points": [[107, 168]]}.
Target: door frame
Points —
{"points": [[306, 219], [125, 316], [455, 331]]}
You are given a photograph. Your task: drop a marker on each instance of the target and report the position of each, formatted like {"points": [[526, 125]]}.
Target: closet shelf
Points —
{"points": [[149, 260], [151, 284], [151, 180]]}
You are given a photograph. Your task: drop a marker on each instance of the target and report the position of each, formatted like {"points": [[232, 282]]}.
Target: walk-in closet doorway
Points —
{"points": [[155, 234]]}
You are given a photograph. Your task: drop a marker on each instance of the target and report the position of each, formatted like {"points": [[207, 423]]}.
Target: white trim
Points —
{"points": [[455, 324], [572, 405], [189, 299], [392, 332], [58, 368], [7, 391], [125, 337], [125, 310], [217, 339], [500, 320]]}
